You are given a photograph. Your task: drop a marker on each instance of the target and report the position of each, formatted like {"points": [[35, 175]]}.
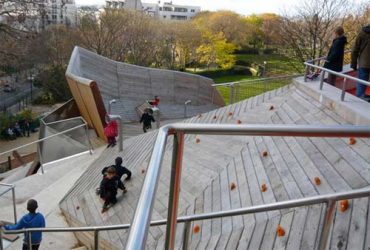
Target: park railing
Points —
{"points": [[5, 188], [316, 66], [328, 199], [233, 92], [59, 140]]}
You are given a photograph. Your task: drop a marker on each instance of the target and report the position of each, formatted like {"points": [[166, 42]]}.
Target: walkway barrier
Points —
{"points": [[315, 66], [233, 92], [328, 199], [59, 140], [7, 188]]}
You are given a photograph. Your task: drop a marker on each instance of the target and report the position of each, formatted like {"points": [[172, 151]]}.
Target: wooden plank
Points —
{"points": [[339, 237], [286, 223], [216, 206], [206, 229], [270, 233], [312, 227], [297, 227], [357, 229], [367, 232]]}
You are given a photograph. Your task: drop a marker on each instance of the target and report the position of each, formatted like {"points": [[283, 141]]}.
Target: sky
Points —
{"points": [[245, 7]]}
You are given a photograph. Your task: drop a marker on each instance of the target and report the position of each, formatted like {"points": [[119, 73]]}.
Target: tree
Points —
{"points": [[255, 33], [216, 50], [309, 30]]}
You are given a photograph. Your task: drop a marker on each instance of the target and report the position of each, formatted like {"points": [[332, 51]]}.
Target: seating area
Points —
{"points": [[214, 180]]}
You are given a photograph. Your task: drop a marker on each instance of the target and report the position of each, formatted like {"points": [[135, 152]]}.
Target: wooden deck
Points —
{"points": [[215, 162]]}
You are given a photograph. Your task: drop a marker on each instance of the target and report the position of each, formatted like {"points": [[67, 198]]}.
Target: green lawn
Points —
{"points": [[247, 90]]}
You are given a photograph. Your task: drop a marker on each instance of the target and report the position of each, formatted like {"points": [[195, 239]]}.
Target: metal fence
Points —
{"points": [[237, 91], [59, 140], [315, 68]]}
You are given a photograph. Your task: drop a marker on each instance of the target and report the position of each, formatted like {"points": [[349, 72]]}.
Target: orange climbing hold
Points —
{"points": [[239, 122], [196, 229], [264, 153], [343, 205], [263, 188], [272, 107], [352, 141], [214, 117], [143, 171], [78, 207], [317, 181], [232, 186], [280, 231], [230, 113], [197, 140], [199, 115]]}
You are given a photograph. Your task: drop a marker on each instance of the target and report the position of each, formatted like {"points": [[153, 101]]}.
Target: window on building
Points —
{"points": [[175, 17], [167, 9], [160, 8], [181, 9], [192, 10], [164, 17]]}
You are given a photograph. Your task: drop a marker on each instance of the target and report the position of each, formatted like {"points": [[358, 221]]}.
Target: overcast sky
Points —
{"points": [[241, 6]]}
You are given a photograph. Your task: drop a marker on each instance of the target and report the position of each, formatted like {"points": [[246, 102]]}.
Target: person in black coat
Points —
{"points": [[334, 60], [147, 119], [108, 188], [120, 170]]}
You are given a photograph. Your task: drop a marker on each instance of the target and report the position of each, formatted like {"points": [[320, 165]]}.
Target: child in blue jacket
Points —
{"points": [[30, 220]]}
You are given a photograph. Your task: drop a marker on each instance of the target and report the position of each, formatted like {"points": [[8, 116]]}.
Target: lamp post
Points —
{"points": [[113, 101]]}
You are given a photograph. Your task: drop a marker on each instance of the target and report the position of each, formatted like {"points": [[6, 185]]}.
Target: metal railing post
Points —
{"points": [[322, 80], [343, 89], [40, 157], [173, 201], [14, 205], [157, 117], [88, 139], [96, 239], [307, 71], [328, 221], [231, 100], [1, 239], [186, 108], [29, 240], [186, 235]]}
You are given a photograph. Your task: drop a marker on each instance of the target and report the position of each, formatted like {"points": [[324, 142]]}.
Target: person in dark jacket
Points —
{"points": [[361, 58], [147, 119], [108, 188], [30, 220], [334, 60], [120, 170]]}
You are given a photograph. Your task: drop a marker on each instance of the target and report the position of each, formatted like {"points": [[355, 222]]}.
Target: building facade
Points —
{"points": [[37, 15], [165, 10]]}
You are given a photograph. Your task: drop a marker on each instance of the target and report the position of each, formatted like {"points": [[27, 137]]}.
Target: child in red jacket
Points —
{"points": [[111, 131]]}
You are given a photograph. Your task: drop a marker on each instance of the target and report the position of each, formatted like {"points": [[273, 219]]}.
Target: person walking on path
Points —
{"points": [[30, 220], [334, 60], [111, 131], [147, 119], [361, 59]]}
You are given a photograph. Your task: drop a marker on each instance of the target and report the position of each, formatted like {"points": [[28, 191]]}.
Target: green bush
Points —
{"points": [[46, 98]]}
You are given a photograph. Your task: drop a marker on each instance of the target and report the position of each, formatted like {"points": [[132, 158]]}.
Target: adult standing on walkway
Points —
{"points": [[334, 60], [361, 58]]}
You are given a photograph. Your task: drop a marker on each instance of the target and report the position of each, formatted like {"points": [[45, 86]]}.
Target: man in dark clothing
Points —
{"points": [[147, 119], [108, 188], [334, 60], [30, 220], [120, 170], [361, 58]]}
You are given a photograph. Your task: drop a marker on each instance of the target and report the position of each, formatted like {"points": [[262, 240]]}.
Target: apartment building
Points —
{"points": [[162, 10]]}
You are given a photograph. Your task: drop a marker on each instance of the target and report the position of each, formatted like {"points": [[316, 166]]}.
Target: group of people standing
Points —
{"points": [[360, 59]]}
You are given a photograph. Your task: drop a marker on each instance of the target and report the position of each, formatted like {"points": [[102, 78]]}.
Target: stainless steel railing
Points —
{"points": [[139, 229], [8, 188], [83, 125], [315, 64], [328, 199]]}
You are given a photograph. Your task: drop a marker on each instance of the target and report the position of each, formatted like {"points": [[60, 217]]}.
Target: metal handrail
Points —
{"points": [[43, 139], [139, 229], [310, 64], [327, 198], [11, 187], [228, 84]]}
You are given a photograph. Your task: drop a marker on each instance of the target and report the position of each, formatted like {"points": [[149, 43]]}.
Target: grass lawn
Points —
{"points": [[244, 91]]}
